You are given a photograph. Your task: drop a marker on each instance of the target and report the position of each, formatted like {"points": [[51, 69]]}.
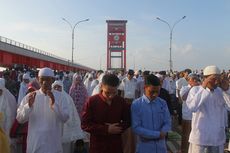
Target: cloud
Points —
{"points": [[185, 49]]}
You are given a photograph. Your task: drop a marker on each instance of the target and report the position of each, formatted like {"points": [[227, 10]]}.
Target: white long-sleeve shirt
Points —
{"points": [[208, 120], [186, 112], [179, 84], [45, 124], [129, 87]]}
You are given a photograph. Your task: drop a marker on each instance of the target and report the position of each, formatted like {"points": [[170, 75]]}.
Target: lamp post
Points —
{"points": [[101, 60], [72, 29], [171, 31]]}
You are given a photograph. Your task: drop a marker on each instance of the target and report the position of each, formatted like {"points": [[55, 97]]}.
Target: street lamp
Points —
{"points": [[101, 60], [72, 28], [171, 30]]}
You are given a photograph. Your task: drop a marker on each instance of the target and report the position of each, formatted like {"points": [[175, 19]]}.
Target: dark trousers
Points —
{"points": [[186, 129]]}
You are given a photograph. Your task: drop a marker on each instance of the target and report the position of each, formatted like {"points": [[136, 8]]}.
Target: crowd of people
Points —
{"points": [[46, 111]]}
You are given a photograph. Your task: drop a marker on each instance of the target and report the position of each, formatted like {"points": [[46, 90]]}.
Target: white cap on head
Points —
{"points": [[2, 83], [209, 70], [159, 76], [26, 76], [46, 72]]}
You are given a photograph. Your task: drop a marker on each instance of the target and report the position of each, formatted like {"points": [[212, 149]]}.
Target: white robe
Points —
{"points": [[208, 120], [87, 84], [8, 107], [22, 92], [45, 125], [72, 128]]}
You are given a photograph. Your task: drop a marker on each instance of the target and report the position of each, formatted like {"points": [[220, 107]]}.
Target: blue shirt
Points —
{"points": [[149, 118]]}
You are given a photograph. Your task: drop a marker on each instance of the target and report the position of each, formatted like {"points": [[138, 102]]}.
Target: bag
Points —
{"points": [[18, 130]]}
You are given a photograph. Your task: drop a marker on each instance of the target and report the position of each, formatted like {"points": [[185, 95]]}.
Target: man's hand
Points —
{"points": [[31, 98], [52, 100], [210, 80], [162, 135], [114, 128]]}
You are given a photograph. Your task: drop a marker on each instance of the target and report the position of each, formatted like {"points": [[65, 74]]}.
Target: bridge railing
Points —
{"points": [[27, 47]]}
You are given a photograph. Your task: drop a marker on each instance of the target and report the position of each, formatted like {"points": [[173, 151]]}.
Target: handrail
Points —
{"points": [[33, 49], [30, 48]]}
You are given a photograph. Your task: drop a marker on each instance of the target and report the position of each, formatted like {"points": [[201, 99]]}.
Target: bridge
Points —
{"points": [[16, 53]]}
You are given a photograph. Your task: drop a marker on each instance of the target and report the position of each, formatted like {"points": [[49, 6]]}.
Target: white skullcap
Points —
{"points": [[46, 72], [159, 76], [209, 70], [57, 82], [2, 83], [26, 76]]}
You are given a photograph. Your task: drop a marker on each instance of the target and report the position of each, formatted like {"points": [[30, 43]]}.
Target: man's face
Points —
{"points": [[214, 81], [108, 92], [193, 81], [1, 91], [46, 82], [98, 74], [151, 91], [130, 76]]}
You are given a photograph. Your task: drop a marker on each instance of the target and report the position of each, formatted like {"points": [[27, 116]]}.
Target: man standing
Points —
{"points": [[182, 81], [209, 112], [151, 118], [10, 84], [128, 87], [193, 80], [46, 111], [105, 116]]}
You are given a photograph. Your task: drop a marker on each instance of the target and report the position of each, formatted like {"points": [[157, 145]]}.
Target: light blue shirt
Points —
{"points": [[149, 118]]}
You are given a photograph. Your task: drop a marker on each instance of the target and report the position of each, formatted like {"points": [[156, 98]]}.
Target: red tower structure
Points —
{"points": [[116, 44]]}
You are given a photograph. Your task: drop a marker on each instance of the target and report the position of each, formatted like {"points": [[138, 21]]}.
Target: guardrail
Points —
{"points": [[33, 49]]}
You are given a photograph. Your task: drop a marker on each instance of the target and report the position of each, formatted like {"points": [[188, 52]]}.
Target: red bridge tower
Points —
{"points": [[116, 44]]}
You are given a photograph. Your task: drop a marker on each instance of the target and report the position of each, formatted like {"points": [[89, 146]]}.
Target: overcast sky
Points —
{"points": [[201, 39]]}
